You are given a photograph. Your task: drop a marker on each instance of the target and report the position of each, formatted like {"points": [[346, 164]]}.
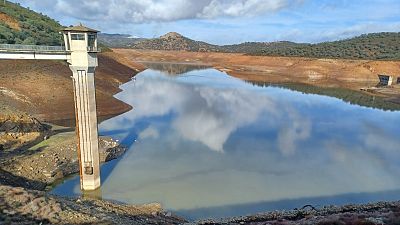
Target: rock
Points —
{"points": [[49, 174], [377, 221]]}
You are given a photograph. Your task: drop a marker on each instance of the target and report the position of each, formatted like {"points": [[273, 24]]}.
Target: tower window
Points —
{"points": [[77, 37], [91, 40]]}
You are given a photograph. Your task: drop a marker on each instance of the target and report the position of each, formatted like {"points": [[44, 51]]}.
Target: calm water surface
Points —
{"points": [[205, 144]]}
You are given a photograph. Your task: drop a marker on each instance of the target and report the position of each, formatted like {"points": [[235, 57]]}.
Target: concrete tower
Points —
{"points": [[81, 43]]}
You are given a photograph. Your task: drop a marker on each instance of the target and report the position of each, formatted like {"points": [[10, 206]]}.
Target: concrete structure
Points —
{"points": [[8, 51], [80, 52], [81, 43], [385, 80]]}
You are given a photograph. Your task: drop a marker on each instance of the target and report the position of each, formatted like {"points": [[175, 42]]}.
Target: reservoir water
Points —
{"points": [[204, 144]]}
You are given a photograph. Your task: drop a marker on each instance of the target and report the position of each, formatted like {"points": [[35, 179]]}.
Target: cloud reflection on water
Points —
{"points": [[213, 140]]}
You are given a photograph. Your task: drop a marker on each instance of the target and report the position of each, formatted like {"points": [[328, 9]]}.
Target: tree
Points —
{"points": [[29, 41]]}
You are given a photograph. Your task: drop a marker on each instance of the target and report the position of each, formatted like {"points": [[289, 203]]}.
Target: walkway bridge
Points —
{"points": [[80, 52], [15, 51]]}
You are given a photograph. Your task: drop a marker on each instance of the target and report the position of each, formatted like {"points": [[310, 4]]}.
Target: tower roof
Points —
{"points": [[80, 28]]}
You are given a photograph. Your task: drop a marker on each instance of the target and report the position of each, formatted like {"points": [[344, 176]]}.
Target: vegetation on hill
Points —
{"points": [[377, 46], [175, 42], [19, 25], [367, 46], [254, 47]]}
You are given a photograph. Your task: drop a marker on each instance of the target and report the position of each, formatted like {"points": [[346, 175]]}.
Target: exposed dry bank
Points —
{"points": [[349, 74], [44, 88]]}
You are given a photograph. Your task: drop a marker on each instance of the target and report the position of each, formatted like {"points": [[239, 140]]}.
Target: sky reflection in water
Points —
{"points": [[211, 145]]}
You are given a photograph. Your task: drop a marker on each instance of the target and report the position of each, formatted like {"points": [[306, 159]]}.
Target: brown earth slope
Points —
{"points": [[353, 74], [11, 22], [44, 88]]}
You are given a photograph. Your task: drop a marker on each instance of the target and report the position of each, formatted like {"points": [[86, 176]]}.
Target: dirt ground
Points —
{"points": [[350, 74], [44, 88]]}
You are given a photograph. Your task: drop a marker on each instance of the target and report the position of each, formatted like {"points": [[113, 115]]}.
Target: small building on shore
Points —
{"points": [[388, 80]]}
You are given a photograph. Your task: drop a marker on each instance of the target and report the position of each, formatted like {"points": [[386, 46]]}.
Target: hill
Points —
{"points": [[176, 42], [19, 25], [252, 47], [368, 46], [118, 40]]}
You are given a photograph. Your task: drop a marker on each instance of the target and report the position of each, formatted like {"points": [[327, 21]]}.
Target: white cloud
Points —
{"points": [[205, 115], [298, 128], [139, 11], [149, 132], [236, 8], [219, 114]]}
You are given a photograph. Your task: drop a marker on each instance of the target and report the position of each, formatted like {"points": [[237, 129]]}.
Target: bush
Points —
{"points": [[35, 28]]}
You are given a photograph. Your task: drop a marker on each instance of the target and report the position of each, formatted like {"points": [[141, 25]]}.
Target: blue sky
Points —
{"points": [[229, 21]]}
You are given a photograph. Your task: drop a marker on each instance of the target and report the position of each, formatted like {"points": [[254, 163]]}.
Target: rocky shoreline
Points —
{"points": [[27, 170], [42, 153], [23, 206], [367, 214]]}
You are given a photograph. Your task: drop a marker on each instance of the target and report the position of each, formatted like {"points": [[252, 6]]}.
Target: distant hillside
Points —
{"points": [[367, 46], [118, 40], [255, 47], [19, 25], [176, 42]]}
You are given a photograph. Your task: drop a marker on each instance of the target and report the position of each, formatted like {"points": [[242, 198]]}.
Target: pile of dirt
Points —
{"points": [[20, 129]]}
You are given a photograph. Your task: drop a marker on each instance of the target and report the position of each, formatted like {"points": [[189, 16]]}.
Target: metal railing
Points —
{"points": [[93, 49], [37, 48]]}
